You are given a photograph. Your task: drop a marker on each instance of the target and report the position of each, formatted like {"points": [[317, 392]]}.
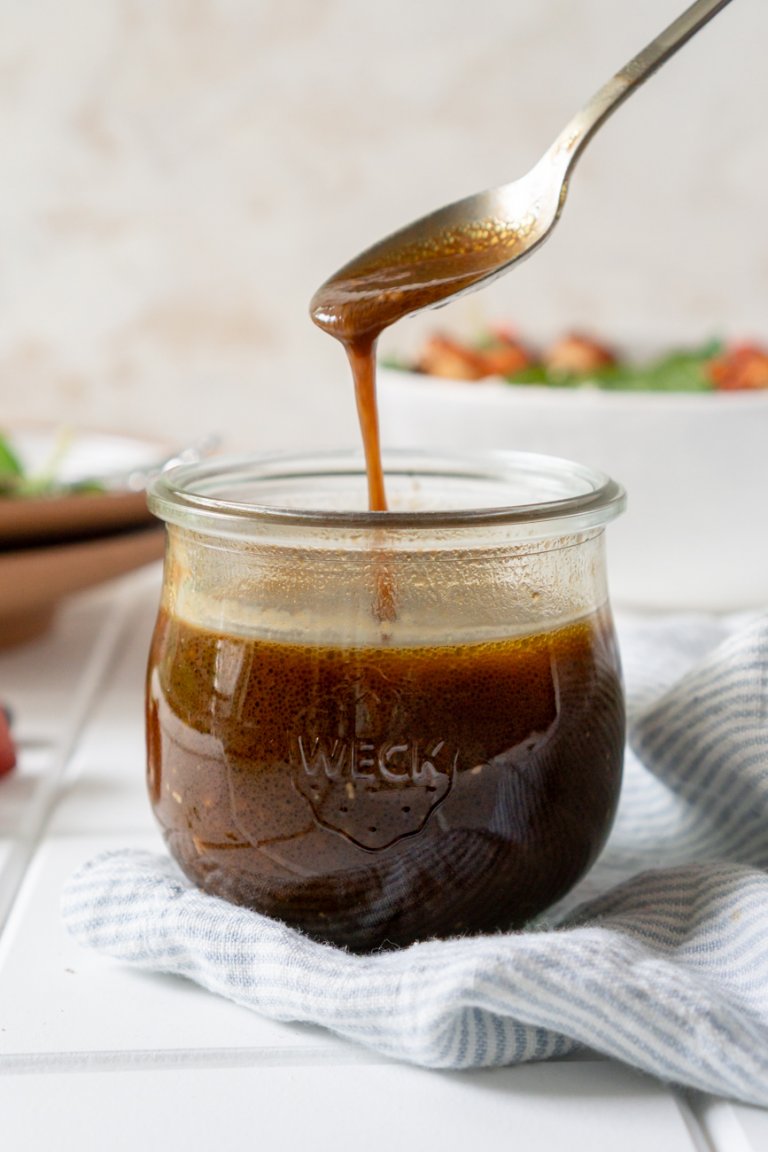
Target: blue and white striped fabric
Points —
{"points": [[659, 959]]}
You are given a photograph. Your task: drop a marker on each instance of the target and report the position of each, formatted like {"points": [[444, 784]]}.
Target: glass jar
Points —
{"points": [[384, 727]]}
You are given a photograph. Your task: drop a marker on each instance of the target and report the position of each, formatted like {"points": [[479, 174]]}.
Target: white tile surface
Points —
{"points": [[44, 681], [51, 685], [753, 1125], [104, 786], [732, 1127], [574, 1107], [20, 789], [56, 997]]}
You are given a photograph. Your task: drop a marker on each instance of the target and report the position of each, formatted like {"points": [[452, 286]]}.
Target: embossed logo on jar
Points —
{"points": [[364, 777]]}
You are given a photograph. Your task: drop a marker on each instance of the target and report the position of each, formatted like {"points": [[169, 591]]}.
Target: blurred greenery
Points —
{"points": [[677, 371]]}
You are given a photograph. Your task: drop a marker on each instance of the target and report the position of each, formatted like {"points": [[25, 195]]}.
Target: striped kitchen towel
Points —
{"points": [[658, 959]]}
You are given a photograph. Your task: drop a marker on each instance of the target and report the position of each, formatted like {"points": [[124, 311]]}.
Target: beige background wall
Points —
{"points": [[179, 175]]}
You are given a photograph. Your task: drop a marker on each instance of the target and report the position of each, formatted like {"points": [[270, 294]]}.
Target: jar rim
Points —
{"points": [[230, 494]]}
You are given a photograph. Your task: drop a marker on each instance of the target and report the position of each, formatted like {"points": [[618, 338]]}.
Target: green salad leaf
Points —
{"points": [[531, 374], [677, 371], [18, 481], [11, 470]]}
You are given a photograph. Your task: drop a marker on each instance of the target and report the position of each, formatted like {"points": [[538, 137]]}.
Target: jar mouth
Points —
{"points": [[426, 490]]}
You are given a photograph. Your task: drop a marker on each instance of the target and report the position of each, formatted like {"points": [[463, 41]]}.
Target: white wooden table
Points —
{"points": [[96, 1056]]}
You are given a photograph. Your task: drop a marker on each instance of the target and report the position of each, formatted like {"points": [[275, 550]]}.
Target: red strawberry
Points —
{"points": [[7, 750]]}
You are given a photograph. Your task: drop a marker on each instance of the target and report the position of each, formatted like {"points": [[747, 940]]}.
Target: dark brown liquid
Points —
{"points": [[408, 273], [392, 281], [362, 360], [375, 796]]}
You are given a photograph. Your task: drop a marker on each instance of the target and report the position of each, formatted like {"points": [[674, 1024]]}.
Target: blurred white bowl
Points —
{"points": [[695, 466], [57, 514]]}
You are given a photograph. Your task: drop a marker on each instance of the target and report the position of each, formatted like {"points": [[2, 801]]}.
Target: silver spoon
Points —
{"points": [[471, 241]]}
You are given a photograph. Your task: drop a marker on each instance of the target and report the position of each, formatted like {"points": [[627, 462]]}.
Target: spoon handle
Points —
{"points": [[571, 141]]}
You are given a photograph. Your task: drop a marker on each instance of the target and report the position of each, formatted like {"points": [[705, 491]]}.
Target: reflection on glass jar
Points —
{"points": [[383, 727]]}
